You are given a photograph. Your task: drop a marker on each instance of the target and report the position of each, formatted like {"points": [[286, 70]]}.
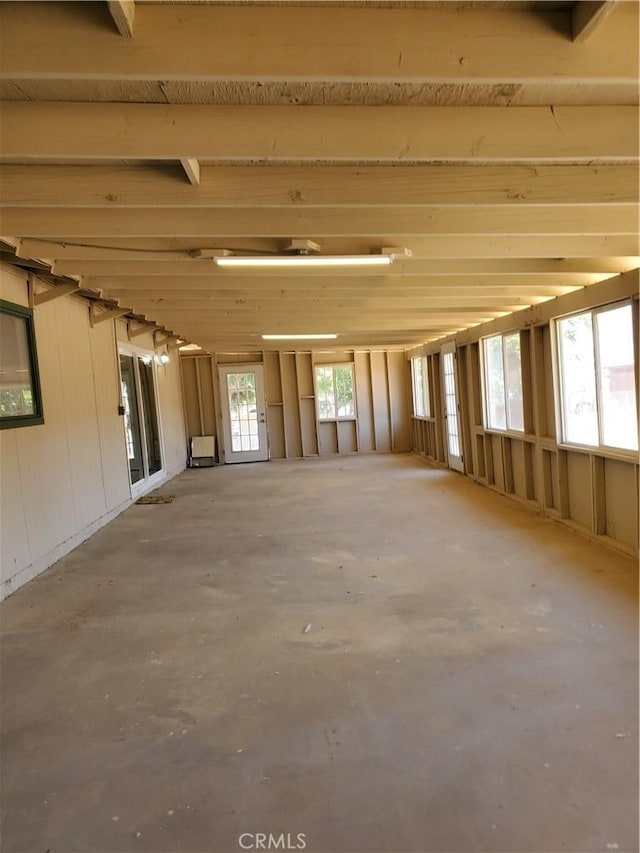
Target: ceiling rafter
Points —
{"points": [[350, 125]]}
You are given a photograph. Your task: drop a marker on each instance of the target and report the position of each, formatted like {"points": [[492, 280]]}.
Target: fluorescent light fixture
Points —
{"points": [[304, 261], [299, 337]]}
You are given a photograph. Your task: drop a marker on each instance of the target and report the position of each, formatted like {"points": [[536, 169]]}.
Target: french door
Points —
{"points": [[141, 426], [244, 424], [451, 407]]}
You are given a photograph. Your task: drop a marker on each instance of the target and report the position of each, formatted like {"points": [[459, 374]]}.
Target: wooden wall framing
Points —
{"points": [[383, 408], [593, 490]]}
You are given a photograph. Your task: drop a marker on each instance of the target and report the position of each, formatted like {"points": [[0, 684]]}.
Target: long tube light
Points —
{"points": [[299, 337], [304, 261]]}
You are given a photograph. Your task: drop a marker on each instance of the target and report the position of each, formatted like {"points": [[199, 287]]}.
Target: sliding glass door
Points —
{"points": [[142, 433]]}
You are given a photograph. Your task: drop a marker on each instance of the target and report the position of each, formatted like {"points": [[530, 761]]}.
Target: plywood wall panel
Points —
{"points": [[579, 485], [327, 437], [399, 400], [620, 512], [115, 470], [364, 401], [191, 400], [15, 549], [380, 395], [80, 413], [290, 399], [69, 476], [347, 437], [518, 468]]}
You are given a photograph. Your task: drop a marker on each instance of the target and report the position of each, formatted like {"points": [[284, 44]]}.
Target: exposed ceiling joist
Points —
{"points": [[467, 134], [312, 186], [437, 247], [123, 13], [539, 268], [185, 42], [621, 219]]}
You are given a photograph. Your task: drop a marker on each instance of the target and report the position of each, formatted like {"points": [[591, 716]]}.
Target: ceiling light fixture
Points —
{"points": [[304, 261], [299, 337]]}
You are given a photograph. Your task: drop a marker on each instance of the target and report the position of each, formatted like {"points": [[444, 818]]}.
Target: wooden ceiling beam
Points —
{"points": [[317, 223], [346, 295], [552, 248], [212, 42], [316, 186], [405, 284], [294, 304], [394, 134], [542, 269]]}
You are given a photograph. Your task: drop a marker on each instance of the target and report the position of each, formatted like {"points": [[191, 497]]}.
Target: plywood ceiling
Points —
{"points": [[496, 141]]}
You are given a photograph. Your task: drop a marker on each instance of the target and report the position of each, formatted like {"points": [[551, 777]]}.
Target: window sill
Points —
{"points": [[427, 418], [336, 420], [631, 456]]}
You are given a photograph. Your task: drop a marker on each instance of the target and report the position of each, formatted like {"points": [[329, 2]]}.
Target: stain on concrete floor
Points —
{"points": [[469, 681]]}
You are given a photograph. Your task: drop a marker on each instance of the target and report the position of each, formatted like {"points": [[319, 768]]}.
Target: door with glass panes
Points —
{"points": [[451, 408], [244, 422], [142, 431]]}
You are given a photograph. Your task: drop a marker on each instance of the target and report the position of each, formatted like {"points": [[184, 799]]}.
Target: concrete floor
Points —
{"points": [[469, 681]]}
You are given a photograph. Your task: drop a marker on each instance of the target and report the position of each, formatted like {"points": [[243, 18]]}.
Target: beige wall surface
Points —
{"points": [[383, 407], [64, 479], [594, 490]]}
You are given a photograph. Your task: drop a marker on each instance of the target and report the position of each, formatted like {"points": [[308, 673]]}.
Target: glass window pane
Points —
{"points": [[617, 378], [324, 387], [16, 386], [344, 392], [494, 380], [513, 381], [417, 365], [578, 379], [425, 387], [150, 414], [133, 432]]}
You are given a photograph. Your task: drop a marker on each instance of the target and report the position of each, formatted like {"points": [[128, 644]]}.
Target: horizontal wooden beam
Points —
{"points": [[174, 131], [395, 284], [621, 219], [346, 296], [316, 186], [612, 250], [185, 42], [580, 272], [294, 304]]}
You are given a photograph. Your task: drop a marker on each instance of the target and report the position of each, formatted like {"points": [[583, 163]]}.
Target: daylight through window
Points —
{"points": [[597, 378], [420, 380], [503, 382], [334, 389]]}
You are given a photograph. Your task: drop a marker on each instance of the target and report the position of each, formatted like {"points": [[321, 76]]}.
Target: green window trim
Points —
{"points": [[37, 416]]}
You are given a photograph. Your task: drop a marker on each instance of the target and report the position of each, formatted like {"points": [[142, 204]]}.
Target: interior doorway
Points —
{"points": [[451, 407], [244, 423], [141, 423]]}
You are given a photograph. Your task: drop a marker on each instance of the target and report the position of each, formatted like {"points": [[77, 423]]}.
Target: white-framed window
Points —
{"points": [[597, 388], [503, 382], [335, 394], [420, 383]]}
